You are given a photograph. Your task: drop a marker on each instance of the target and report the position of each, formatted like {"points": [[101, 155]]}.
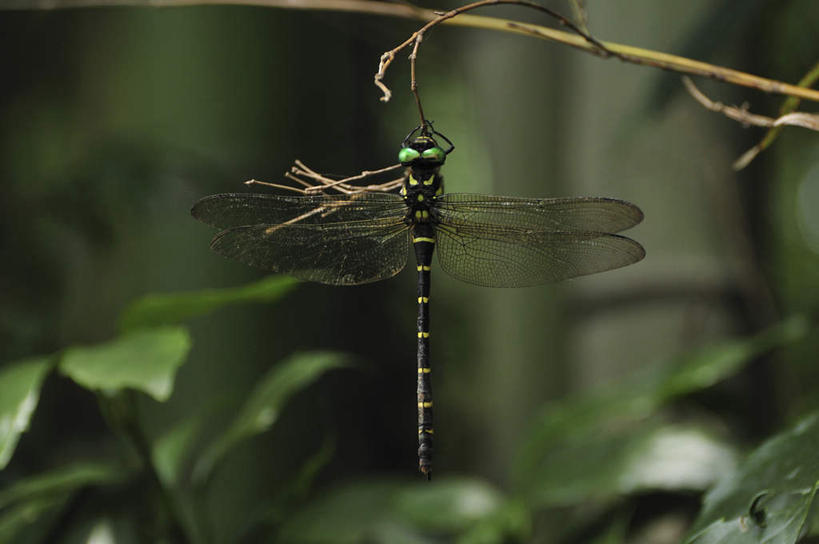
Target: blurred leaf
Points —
{"points": [[169, 309], [584, 434], [171, 450], [448, 504], [713, 364], [511, 522], [623, 460], [358, 512], [265, 403], [145, 360], [614, 533], [769, 498], [60, 481], [19, 393], [28, 507], [387, 512], [276, 511], [28, 515]]}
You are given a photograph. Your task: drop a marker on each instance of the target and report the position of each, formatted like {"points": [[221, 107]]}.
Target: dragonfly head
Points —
{"points": [[422, 151]]}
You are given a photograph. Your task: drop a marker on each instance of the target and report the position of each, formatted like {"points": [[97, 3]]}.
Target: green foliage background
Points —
{"points": [[151, 391]]}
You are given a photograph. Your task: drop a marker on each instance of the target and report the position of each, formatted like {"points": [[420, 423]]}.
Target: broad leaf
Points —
{"points": [[573, 441], [769, 498], [391, 511], [277, 510], [172, 449], [622, 460], [262, 408], [360, 512], [19, 393], [145, 360], [169, 309], [65, 479], [19, 520], [28, 503], [448, 504]]}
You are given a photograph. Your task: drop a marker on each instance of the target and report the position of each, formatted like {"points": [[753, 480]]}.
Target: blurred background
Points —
{"points": [[115, 120]]}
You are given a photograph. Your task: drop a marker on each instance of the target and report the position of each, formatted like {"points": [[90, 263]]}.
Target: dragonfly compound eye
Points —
{"points": [[407, 155], [434, 154]]}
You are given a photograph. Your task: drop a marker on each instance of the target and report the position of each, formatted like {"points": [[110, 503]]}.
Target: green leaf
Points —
{"points": [[28, 516], [574, 442], [145, 360], [62, 480], [622, 460], [20, 384], [510, 522], [171, 450], [769, 498], [392, 511], [27, 506], [448, 504], [275, 511], [169, 309], [359, 512], [262, 408]]}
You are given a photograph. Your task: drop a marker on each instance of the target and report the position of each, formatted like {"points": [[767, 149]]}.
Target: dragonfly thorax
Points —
{"points": [[421, 187]]}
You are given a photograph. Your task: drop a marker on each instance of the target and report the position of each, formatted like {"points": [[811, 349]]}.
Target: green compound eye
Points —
{"points": [[434, 153], [407, 155]]}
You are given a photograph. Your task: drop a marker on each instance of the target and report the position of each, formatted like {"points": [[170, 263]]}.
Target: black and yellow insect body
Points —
{"points": [[487, 240], [423, 183]]}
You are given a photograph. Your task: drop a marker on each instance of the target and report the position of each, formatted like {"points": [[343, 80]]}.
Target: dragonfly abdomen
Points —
{"points": [[423, 241]]}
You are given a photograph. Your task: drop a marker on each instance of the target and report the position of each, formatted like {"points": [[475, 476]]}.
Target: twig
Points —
{"points": [[387, 58], [732, 112], [373, 7], [789, 105], [311, 182], [794, 119], [580, 14]]}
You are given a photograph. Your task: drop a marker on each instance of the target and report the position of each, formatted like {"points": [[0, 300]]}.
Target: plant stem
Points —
{"points": [[628, 53]]}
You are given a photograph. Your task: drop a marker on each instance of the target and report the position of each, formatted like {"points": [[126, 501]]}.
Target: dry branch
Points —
{"points": [[630, 54]]}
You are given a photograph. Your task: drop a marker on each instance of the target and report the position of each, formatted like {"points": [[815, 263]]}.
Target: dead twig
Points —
{"points": [[415, 40], [742, 115], [627, 53], [310, 182], [788, 106]]}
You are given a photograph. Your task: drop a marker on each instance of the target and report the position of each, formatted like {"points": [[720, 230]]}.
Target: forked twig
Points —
{"points": [[415, 40], [788, 105], [310, 182], [742, 115], [637, 55]]}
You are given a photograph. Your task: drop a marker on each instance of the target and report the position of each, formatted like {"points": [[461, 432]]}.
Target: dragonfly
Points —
{"points": [[363, 237]]}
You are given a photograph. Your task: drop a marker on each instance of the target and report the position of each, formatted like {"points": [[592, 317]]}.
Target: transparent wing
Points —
{"points": [[510, 256], [335, 254], [238, 209], [584, 214]]}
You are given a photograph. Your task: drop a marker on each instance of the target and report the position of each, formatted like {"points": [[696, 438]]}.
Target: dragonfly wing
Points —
{"points": [[583, 214], [508, 256], [238, 209], [335, 253]]}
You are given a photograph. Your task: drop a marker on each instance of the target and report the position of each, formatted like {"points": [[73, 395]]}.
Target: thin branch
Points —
{"points": [[789, 105], [634, 55], [581, 16], [742, 115], [415, 40], [310, 182]]}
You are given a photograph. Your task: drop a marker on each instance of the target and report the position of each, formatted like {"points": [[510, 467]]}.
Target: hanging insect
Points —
{"points": [[363, 237]]}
